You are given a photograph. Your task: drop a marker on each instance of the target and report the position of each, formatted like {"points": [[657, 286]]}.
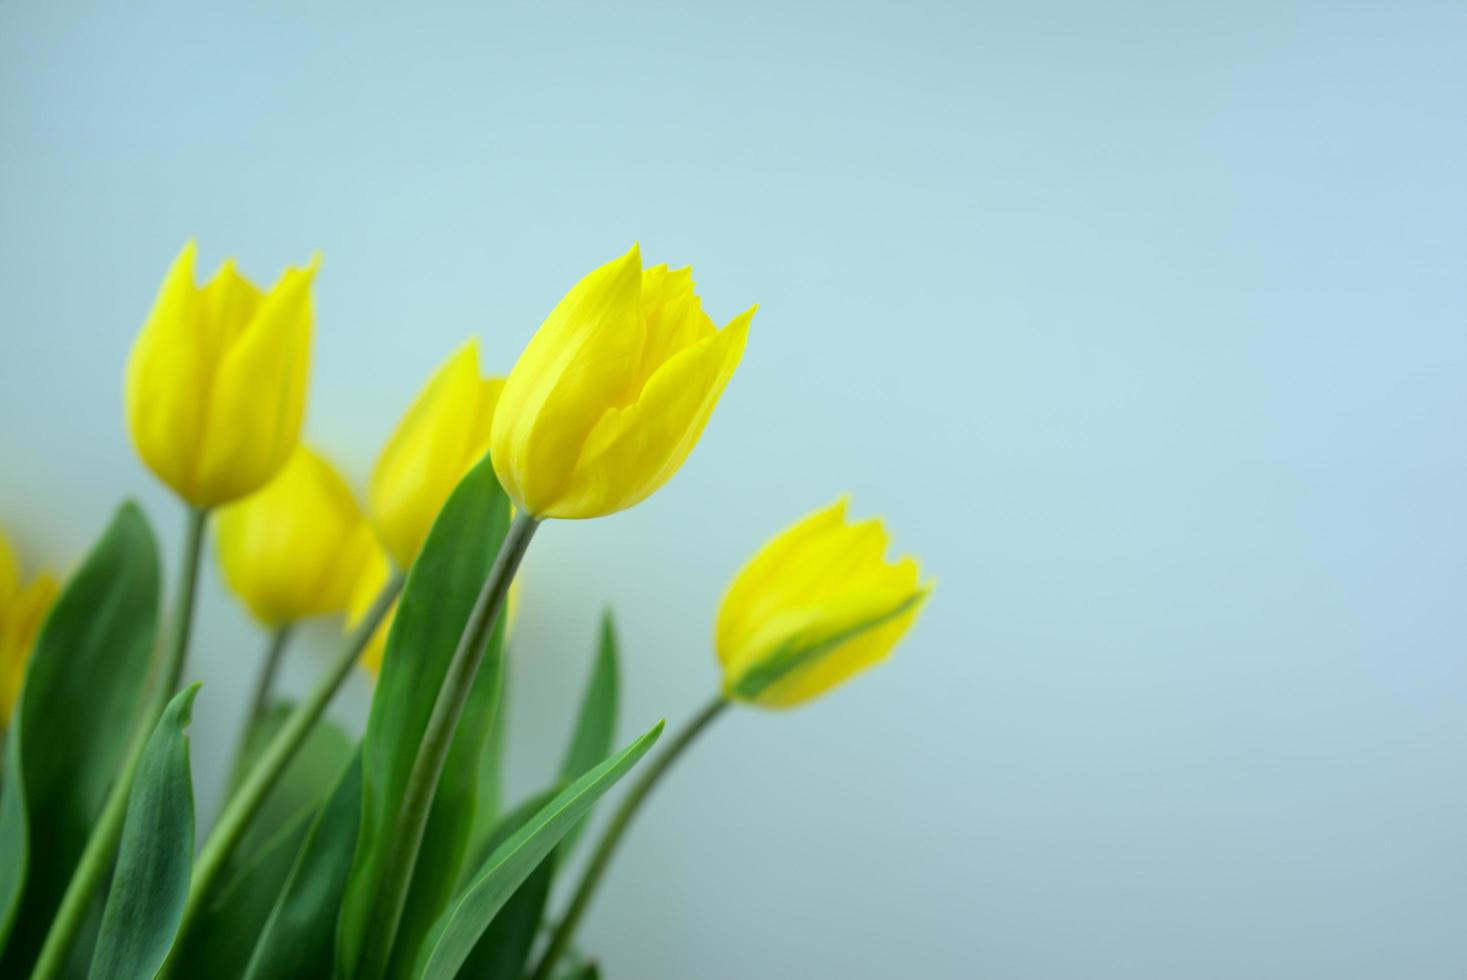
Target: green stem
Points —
{"points": [[422, 782], [601, 858], [96, 859], [264, 686], [247, 799]]}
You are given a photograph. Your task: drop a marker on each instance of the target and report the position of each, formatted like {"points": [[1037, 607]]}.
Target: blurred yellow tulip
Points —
{"points": [[22, 610], [818, 604], [442, 436], [216, 384], [612, 392], [294, 549], [373, 576]]}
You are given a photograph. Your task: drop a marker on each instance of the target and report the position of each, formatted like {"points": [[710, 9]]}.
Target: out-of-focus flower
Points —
{"points": [[293, 549], [216, 384], [22, 610], [816, 605], [374, 575], [442, 436], [612, 392]]}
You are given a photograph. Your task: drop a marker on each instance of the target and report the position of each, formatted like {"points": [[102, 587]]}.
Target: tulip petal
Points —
{"points": [[168, 374], [258, 399], [442, 436], [675, 318], [633, 451], [583, 359], [228, 303]]}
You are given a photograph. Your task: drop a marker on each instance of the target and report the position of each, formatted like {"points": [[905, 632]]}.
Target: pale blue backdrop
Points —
{"points": [[1142, 323]]}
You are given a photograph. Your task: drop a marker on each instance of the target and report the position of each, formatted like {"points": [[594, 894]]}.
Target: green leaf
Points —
{"points": [[458, 930], [224, 932], [154, 857], [441, 589], [502, 951], [596, 724], [487, 812], [229, 924], [75, 716], [302, 787], [299, 939], [585, 971]]}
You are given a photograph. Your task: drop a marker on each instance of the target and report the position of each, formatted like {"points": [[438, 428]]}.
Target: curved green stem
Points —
{"points": [[260, 700], [247, 799], [422, 783], [601, 858], [96, 859]]}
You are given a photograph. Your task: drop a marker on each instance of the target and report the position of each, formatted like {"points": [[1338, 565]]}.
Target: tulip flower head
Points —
{"points": [[216, 384], [612, 392], [816, 605], [23, 609], [294, 549], [442, 436]]}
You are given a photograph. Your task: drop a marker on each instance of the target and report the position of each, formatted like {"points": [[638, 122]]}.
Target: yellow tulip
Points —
{"points": [[444, 433], [293, 550], [818, 604], [216, 384], [612, 392], [22, 610]]}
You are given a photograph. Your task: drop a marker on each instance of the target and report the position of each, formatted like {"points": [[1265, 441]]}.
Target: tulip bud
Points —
{"points": [[293, 550], [818, 604], [442, 436], [612, 392], [22, 611], [216, 384]]}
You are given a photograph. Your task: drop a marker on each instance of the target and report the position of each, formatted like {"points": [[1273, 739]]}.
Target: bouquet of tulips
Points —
{"points": [[388, 855]]}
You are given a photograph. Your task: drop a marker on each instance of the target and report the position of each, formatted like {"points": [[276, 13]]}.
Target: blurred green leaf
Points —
{"points": [[299, 938], [229, 924], [441, 589], [155, 855], [596, 724], [75, 717], [487, 811], [457, 932], [302, 787]]}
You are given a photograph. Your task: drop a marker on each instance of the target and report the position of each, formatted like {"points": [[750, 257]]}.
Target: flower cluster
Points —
{"points": [[600, 411]]}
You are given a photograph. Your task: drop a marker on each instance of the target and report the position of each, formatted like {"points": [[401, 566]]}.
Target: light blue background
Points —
{"points": [[1143, 324]]}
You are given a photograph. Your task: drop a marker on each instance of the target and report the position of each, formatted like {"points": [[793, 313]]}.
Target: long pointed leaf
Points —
{"points": [[488, 807], [83, 686], [441, 589], [154, 857], [458, 931], [502, 951], [596, 724]]}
